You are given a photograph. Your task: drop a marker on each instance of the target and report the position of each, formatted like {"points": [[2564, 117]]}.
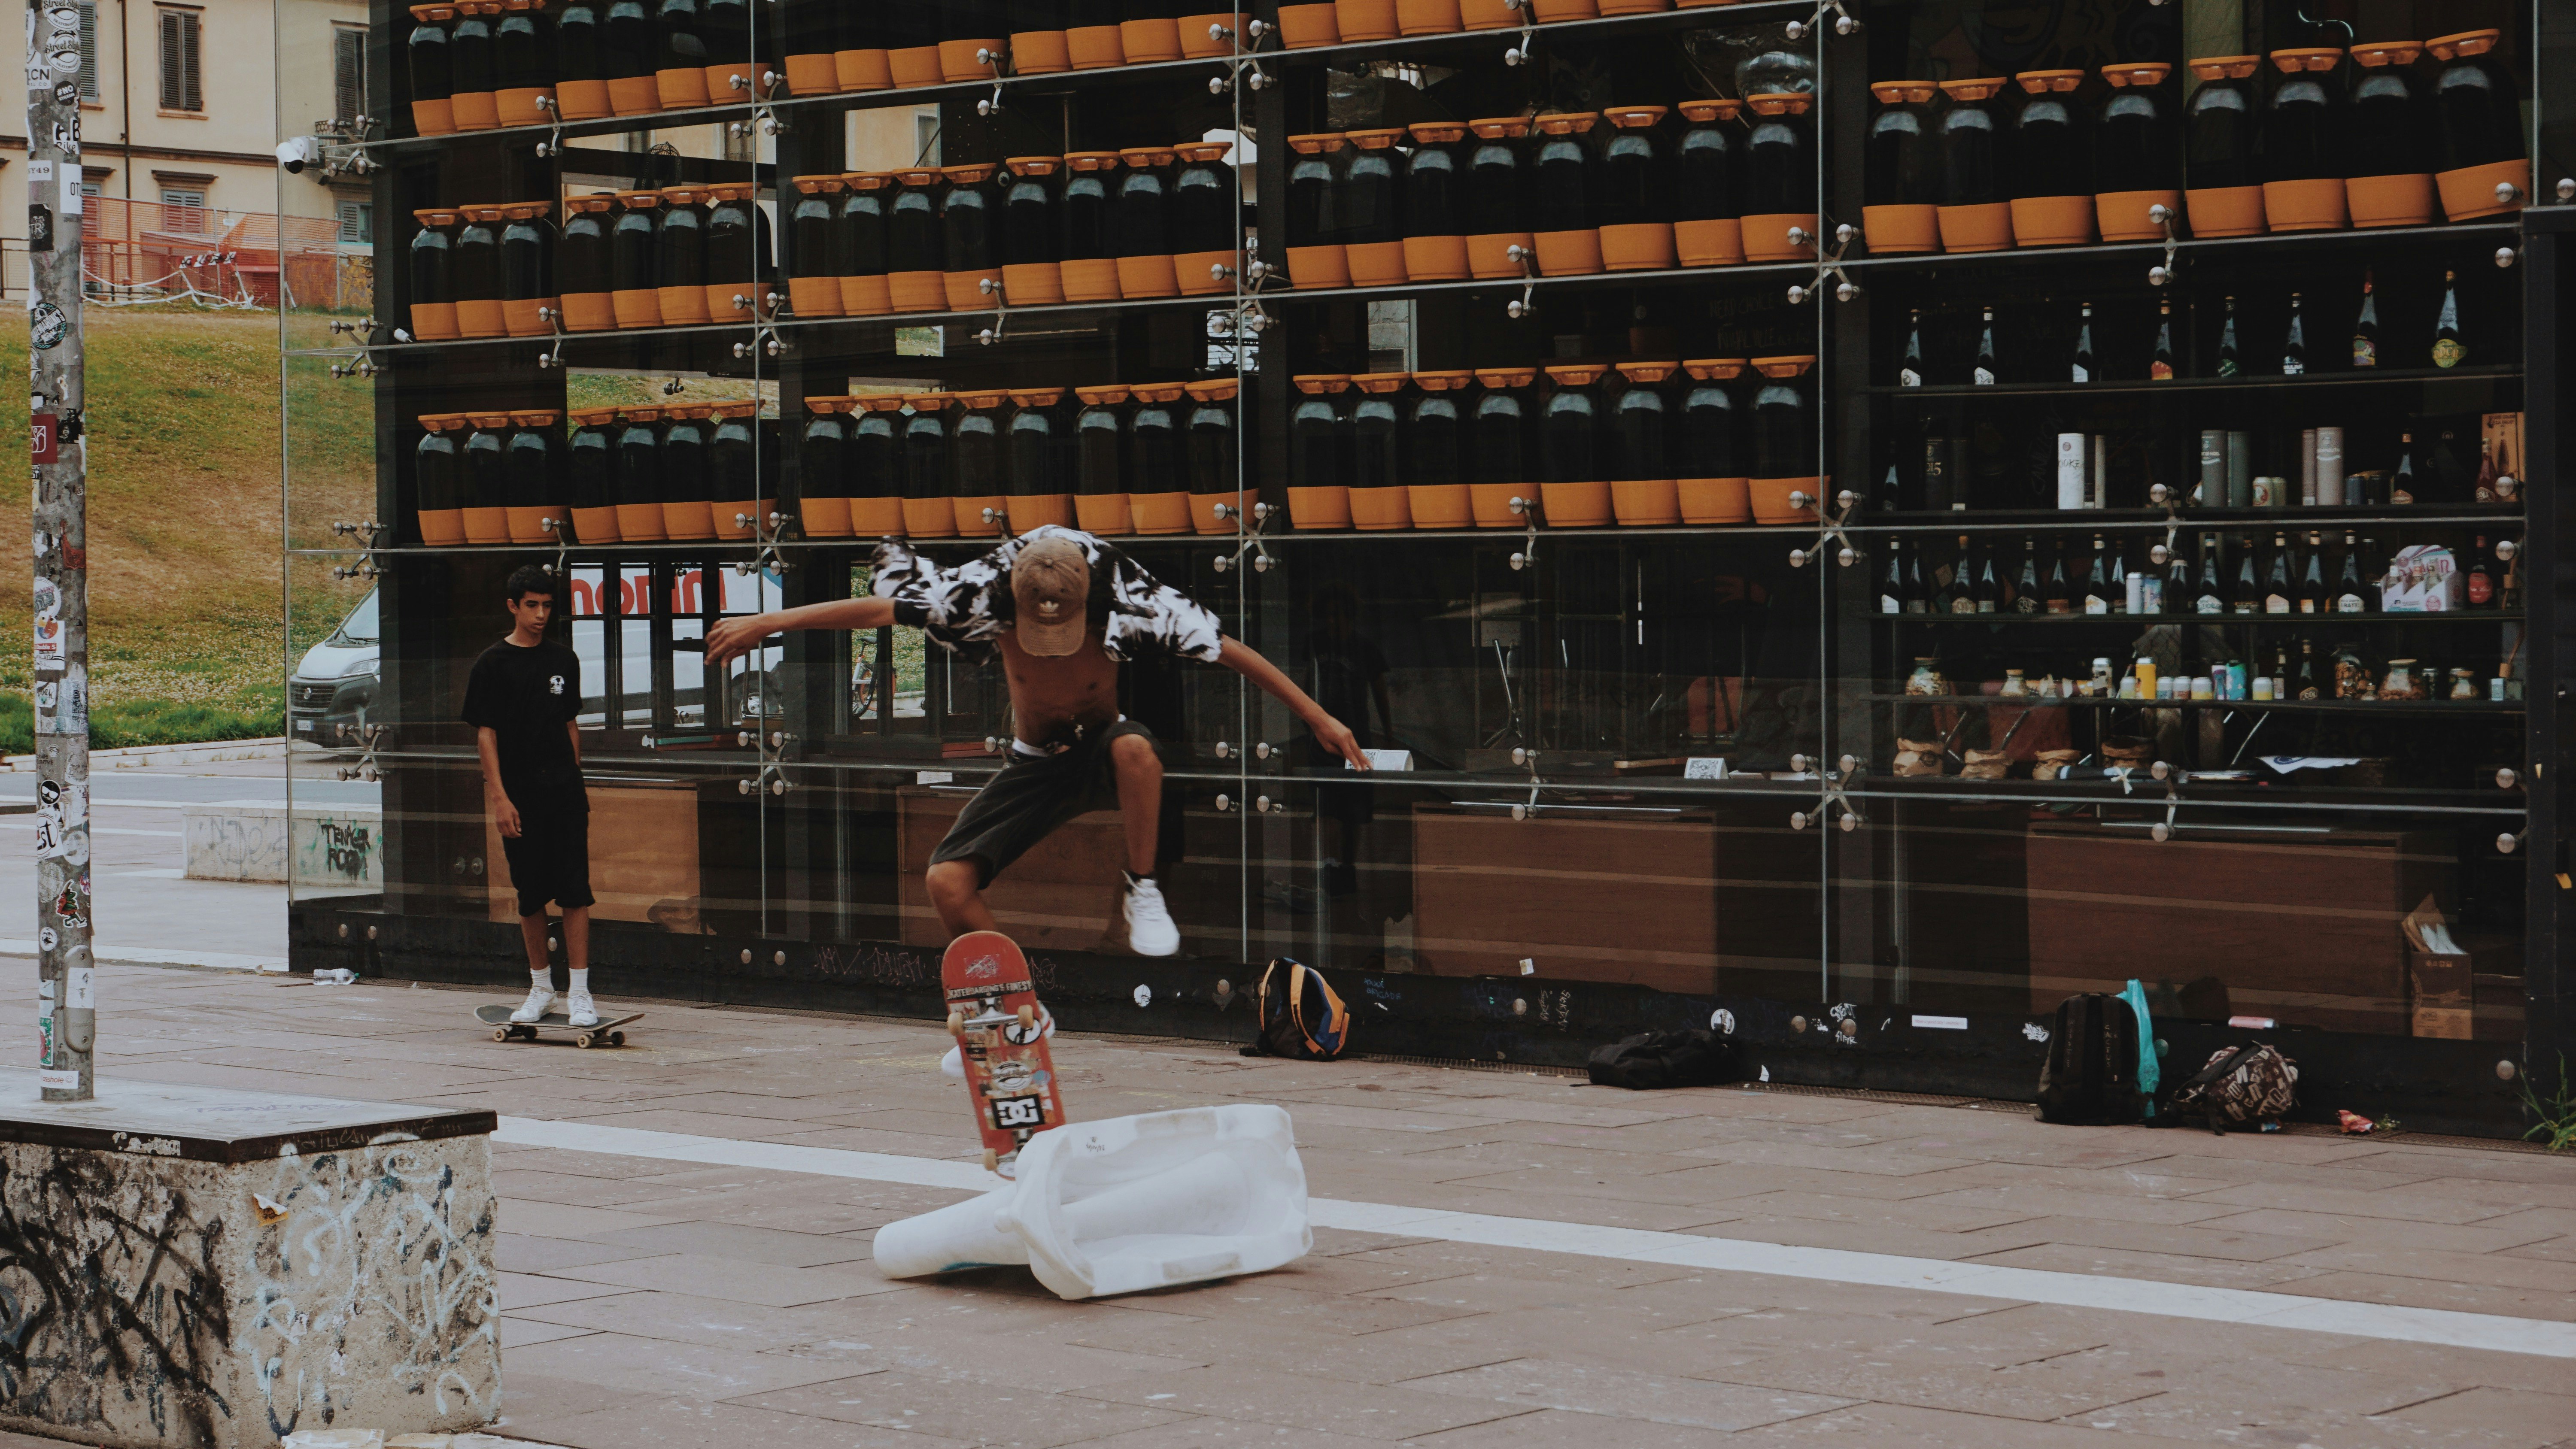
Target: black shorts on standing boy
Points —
{"points": [[526, 697]]}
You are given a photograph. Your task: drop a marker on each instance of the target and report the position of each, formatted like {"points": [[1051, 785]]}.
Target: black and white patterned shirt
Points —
{"points": [[966, 609]]}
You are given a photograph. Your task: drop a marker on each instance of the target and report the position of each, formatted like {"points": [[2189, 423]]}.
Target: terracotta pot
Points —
{"points": [[914, 65], [1150, 41], [486, 525], [480, 319], [2125, 215], [1771, 499], [442, 527], [1983, 228], [1365, 20], [1637, 246], [1094, 47], [1428, 17], [865, 296], [1898, 230], [1324, 266], [1435, 258], [1148, 277], [639, 307], [1376, 264], [1487, 15], [640, 523], [1633, 7], [1568, 253], [1037, 510], [518, 105], [748, 510], [522, 319], [1103, 513], [595, 525], [1645, 502], [957, 62], [918, 291], [634, 95], [2216, 211], [814, 296], [1210, 36], [815, 517], [1491, 503], [929, 518], [1319, 507], [2390, 200], [696, 519], [1377, 510], [866, 69], [2052, 221], [1093, 279], [969, 512], [1439, 505], [1040, 52], [966, 290], [1489, 253], [2304, 205], [684, 306], [433, 321], [1713, 500], [1198, 272], [585, 100], [1766, 237], [1718, 243], [2469, 193], [1159, 512], [1575, 505], [582, 312], [433, 118], [1033, 284], [876, 518], [1303, 25], [1549, 12], [812, 74], [475, 110], [1203, 509], [720, 81], [681, 87]]}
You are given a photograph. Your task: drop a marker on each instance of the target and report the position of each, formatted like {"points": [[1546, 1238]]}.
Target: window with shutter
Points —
{"points": [[182, 78], [183, 210], [348, 73], [357, 221], [89, 50]]}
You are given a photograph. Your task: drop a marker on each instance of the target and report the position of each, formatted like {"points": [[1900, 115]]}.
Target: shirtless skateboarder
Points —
{"points": [[1062, 609]]}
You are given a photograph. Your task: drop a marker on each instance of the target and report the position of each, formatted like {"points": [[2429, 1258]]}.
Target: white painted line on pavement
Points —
{"points": [[167, 872], [94, 830], [164, 956], [2496, 1332]]}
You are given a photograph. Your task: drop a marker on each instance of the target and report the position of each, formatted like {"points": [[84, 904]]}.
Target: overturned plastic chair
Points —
{"points": [[1131, 1203]]}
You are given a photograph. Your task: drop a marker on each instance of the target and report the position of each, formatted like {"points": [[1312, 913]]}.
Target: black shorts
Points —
{"points": [[1032, 796], [550, 857]]}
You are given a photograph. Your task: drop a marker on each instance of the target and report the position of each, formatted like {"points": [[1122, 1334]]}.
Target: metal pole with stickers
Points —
{"points": [[67, 1003]]}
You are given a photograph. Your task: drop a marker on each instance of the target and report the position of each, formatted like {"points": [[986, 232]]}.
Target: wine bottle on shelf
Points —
{"points": [[2177, 590], [2097, 581], [2081, 369], [2120, 592], [2207, 596], [1940, 480], [2509, 588], [1891, 583], [1912, 594], [2160, 367], [2281, 672], [2294, 344], [1987, 373], [2248, 597], [1990, 585], [2278, 597], [1909, 373], [2227, 343], [2448, 351], [2306, 688], [2401, 487], [2365, 328], [2025, 595], [2481, 578], [2055, 596], [1891, 493], [2486, 485], [2313, 598], [1959, 596]]}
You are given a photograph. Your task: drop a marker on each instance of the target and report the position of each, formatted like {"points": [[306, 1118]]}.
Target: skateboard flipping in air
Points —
{"points": [[993, 1013]]}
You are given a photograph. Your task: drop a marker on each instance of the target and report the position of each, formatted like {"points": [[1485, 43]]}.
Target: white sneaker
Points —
{"points": [[539, 998], [578, 1007], [1150, 931]]}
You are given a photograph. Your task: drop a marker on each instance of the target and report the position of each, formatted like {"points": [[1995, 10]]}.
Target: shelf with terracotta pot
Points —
{"points": [[1429, 27], [2187, 246], [1656, 276]]}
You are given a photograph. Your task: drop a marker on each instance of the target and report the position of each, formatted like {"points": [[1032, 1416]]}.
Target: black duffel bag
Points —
{"points": [[1656, 1059]]}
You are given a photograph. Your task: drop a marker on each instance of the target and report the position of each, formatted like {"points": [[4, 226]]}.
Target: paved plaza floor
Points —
{"points": [[1520, 1259]]}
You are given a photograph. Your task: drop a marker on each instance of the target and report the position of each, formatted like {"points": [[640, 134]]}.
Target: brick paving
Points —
{"points": [[665, 1303]]}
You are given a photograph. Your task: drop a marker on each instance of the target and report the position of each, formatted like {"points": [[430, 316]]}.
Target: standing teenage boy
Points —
{"points": [[1062, 610], [522, 699]]}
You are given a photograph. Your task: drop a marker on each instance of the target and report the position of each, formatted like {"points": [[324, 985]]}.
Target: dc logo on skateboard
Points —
{"points": [[1013, 1113]]}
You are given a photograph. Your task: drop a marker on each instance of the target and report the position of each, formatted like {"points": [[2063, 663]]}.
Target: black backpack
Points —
{"points": [[1300, 1016], [1655, 1059], [2091, 1075]]}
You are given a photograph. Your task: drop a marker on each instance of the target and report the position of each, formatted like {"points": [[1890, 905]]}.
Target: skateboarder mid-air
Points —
{"points": [[522, 700], [1062, 610]]}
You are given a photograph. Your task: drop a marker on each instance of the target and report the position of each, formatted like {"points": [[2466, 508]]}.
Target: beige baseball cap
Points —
{"points": [[1051, 584]]}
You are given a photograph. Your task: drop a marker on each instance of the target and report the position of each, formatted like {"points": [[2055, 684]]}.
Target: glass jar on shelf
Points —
{"points": [[2464, 684], [922, 448], [980, 491], [1706, 228], [876, 478], [1090, 266], [916, 251], [688, 505], [739, 278], [1044, 472], [1031, 241], [523, 64], [532, 478], [2402, 683], [476, 264], [1784, 442], [970, 235], [1975, 210], [1712, 446], [736, 501], [1214, 459], [1779, 178], [2482, 144], [583, 270], [1494, 204], [628, 44], [427, 64], [2303, 142], [680, 257], [2052, 162], [680, 60], [590, 475], [1503, 448], [482, 492], [1642, 491], [1144, 212], [639, 476], [2137, 153], [1435, 450], [816, 261], [1563, 200], [1319, 452], [865, 288], [1636, 190], [2223, 194], [1100, 461], [1205, 200], [471, 68], [437, 479], [1378, 498], [1434, 203], [1927, 681], [432, 272], [1315, 254], [1158, 491], [822, 469], [2392, 129], [528, 299], [1901, 170], [1372, 226], [1576, 488]]}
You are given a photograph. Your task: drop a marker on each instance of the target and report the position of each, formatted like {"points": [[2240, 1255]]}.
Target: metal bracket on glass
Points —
{"points": [[1247, 541], [992, 287], [770, 781], [1527, 508], [562, 531], [1828, 263], [1845, 23], [369, 737], [1849, 821], [1830, 526], [1243, 69], [553, 318], [765, 339], [2163, 216], [552, 145], [1528, 759], [366, 533], [1527, 10], [365, 366], [1527, 259]]}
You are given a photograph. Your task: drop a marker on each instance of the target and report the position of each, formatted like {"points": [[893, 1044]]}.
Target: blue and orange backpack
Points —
{"points": [[1299, 1016]]}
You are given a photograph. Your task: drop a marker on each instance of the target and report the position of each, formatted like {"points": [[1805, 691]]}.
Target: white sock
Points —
{"points": [[542, 978], [581, 982]]}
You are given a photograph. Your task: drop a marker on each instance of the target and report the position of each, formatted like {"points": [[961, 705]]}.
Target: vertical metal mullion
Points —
{"points": [[2549, 995]]}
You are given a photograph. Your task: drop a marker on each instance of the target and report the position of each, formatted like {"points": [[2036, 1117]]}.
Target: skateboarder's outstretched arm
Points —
{"points": [[738, 636], [1336, 736]]}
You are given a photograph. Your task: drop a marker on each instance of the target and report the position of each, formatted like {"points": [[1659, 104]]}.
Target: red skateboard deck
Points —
{"points": [[1010, 1073]]}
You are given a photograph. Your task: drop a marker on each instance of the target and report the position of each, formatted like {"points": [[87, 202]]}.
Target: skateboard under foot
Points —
{"points": [[606, 1033], [1010, 1071]]}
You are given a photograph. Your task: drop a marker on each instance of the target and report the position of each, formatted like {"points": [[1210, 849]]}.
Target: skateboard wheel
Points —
{"points": [[957, 1024], [992, 1160], [1028, 1017], [504, 1033], [585, 1041], [617, 1038]]}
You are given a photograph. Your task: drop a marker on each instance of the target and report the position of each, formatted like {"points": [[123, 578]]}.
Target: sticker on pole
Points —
{"points": [[47, 324], [43, 435], [53, 1081]]}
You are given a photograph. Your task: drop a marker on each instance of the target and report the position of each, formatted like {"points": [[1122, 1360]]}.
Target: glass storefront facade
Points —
{"points": [[1849, 526]]}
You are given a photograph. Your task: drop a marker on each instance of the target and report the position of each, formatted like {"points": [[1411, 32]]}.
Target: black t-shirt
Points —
{"points": [[525, 696]]}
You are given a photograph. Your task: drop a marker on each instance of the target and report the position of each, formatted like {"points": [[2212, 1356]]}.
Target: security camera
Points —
{"points": [[299, 153]]}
